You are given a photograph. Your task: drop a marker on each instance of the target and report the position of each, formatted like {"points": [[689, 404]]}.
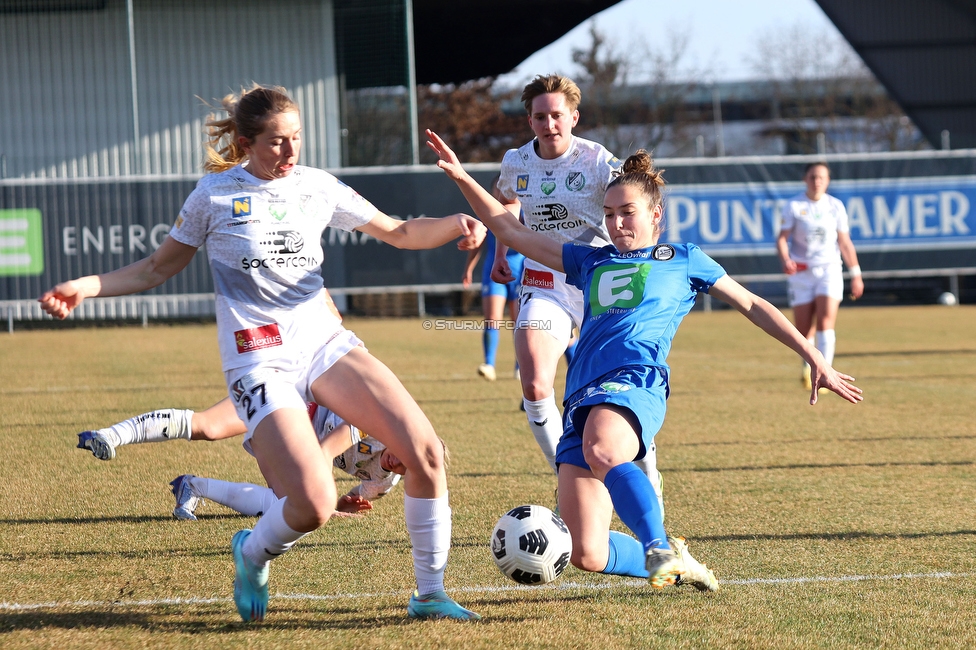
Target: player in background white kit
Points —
{"points": [[261, 216], [344, 445], [558, 181], [814, 236]]}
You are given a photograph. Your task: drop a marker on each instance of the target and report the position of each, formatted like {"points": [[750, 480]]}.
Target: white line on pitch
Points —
{"points": [[562, 586]]}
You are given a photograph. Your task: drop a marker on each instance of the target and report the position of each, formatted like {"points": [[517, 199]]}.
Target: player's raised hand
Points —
{"points": [[447, 159]]}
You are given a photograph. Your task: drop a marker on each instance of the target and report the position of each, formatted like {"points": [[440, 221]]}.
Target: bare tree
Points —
{"points": [[629, 117], [471, 117], [821, 86]]}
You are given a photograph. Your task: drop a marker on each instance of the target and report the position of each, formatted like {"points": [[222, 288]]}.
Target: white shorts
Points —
{"points": [[265, 387], [806, 285], [547, 302], [325, 422]]}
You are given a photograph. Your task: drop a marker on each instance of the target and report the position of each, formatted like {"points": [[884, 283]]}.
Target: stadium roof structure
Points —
{"points": [[460, 41], [924, 53]]}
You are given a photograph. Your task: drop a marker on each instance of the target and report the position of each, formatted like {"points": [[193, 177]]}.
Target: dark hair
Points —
{"points": [[810, 166], [639, 171], [247, 114], [552, 83]]}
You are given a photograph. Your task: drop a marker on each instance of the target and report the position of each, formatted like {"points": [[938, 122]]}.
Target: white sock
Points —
{"points": [[546, 423], [246, 498], [827, 343], [429, 525], [271, 536], [154, 426]]}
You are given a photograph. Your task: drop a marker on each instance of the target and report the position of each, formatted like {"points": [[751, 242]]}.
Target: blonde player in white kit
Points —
{"points": [[261, 216], [814, 236]]}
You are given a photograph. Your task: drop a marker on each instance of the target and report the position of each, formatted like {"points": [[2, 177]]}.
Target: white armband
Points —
{"points": [[855, 271]]}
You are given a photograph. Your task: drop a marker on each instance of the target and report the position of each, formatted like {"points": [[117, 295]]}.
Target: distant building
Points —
{"points": [[746, 118]]}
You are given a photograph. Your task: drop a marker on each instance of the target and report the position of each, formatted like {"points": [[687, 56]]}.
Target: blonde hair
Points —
{"points": [[552, 83], [247, 114]]}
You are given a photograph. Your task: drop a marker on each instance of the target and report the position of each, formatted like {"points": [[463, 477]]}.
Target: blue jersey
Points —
{"points": [[633, 304]]}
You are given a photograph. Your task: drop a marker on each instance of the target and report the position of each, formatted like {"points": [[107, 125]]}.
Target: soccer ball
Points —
{"points": [[947, 298], [531, 545]]}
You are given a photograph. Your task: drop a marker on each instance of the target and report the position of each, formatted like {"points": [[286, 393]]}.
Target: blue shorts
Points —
{"points": [[510, 289], [642, 390]]}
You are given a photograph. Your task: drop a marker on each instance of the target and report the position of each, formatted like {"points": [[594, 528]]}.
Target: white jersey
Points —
{"points": [[264, 242], [360, 459], [562, 198], [814, 226]]}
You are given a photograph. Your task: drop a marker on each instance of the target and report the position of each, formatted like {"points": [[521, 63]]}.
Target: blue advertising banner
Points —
{"points": [[885, 215], [907, 211]]}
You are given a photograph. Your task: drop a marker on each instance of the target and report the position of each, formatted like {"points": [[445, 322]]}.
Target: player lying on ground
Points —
{"points": [[351, 451], [636, 293]]}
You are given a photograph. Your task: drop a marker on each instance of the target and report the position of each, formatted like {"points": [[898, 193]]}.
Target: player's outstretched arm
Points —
{"points": [[165, 262], [773, 322], [503, 223], [424, 232]]}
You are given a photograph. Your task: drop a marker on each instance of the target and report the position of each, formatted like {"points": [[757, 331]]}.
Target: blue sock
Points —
{"points": [[570, 352], [626, 556], [489, 341], [636, 504]]}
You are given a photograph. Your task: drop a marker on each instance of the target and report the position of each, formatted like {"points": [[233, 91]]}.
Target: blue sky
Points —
{"points": [[722, 33]]}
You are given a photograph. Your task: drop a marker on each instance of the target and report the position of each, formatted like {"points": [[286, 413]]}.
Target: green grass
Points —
{"points": [[784, 501]]}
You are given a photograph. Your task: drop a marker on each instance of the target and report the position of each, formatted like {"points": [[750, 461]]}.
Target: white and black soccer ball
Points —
{"points": [[531, 545]]}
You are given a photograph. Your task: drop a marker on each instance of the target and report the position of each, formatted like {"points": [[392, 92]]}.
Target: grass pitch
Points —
{"points": [[828, 526]]}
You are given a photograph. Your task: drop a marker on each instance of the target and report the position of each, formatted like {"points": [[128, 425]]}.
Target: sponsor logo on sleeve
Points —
{"points": [[365, 448], [521, 182], [257, 338]]}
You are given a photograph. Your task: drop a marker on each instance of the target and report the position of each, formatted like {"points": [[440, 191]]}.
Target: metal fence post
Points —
{"points": [[421, 304]]}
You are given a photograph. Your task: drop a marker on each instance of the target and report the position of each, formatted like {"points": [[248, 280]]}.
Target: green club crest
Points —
{"points": [[575, 181]]}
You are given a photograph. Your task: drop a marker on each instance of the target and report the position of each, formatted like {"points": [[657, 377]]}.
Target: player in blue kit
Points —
{"points": [[636, 293]]}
